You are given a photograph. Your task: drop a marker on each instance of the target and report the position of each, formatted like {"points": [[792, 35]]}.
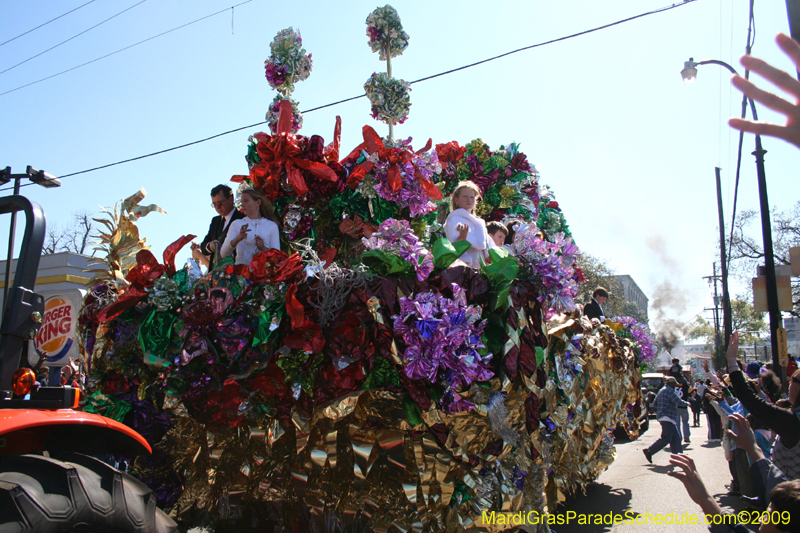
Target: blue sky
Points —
{"points": [[627, 147]]}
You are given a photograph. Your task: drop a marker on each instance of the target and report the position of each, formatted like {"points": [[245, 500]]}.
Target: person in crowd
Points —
{"points": [[667, 403], [770, 385], [711, 375], [682, 390], [753, 369], [594, 309], [222, 202], [254, 233], [714, 422], [676, 371], [764, 437], [700, 386], [498, 232], [463, 225], [791, 366], [783, 495], [789, 132], [696, 403], [784, 422]]}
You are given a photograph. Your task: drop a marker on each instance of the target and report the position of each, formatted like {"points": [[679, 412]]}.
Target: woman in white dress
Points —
{"points": [[462, 224], [254, 233]]}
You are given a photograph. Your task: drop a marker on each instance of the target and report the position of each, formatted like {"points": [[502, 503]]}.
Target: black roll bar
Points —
{"points": [[23, 310]]}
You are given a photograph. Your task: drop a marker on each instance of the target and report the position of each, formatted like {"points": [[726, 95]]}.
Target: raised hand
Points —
{"points": [[463, 230], [694, 485], [790, 131], [242, 234], [733, 349], [744, 436]]}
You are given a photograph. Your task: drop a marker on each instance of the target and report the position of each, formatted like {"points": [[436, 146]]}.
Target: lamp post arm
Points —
{"points": [[717, 62], [733, 71]]}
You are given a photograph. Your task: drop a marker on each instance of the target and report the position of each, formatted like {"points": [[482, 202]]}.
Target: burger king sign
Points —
{"points": [[56, 338]]}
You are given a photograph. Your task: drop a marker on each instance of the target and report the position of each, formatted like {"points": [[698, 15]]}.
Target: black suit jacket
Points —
{"points": [[216, 231], [593, 310]]}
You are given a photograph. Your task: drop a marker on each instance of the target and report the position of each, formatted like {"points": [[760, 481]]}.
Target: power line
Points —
{"points": [[73, 37], [126, 48], [46, 23], [363, 95]]}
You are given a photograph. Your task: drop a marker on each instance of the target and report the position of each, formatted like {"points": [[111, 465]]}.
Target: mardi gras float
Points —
{"points": [[362, 377]]}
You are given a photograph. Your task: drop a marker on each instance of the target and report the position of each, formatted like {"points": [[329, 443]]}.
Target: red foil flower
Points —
{"points": [[307, 338], [274, 266], [450, 152]]}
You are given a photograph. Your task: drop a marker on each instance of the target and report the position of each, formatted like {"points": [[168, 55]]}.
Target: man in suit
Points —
{"points": [[222, 202], [594, 309]]}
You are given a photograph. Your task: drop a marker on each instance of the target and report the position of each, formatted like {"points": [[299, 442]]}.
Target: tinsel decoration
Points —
{"points": [[386, 33], [389, 97], [273, 113], [288, 62]]}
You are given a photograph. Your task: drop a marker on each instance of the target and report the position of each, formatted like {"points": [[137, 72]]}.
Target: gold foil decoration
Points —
{"points": [[374, 306]]}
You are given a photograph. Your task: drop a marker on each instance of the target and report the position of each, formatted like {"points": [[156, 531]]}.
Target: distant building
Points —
{"points": [[633, 293]]}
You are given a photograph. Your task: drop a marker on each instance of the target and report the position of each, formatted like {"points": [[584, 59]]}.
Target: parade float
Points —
{"points": [[361, 378]]}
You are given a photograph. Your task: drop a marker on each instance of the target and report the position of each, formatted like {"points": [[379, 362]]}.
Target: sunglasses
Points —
{"points": [[796, 380]]}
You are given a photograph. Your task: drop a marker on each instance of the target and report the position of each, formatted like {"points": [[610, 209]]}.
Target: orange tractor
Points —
{"points": [[51, 477]]}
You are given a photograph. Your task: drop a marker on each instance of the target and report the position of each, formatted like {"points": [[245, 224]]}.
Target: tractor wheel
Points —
{"points": [[76, 493]]}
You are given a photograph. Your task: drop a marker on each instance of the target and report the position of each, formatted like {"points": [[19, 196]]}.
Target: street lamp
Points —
{"points": [[689, 74], [39, 177]]}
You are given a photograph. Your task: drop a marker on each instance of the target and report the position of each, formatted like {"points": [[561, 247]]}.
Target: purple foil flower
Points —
{"points": [[442, 338], [639, 333], [396, 236], [552, 262]]}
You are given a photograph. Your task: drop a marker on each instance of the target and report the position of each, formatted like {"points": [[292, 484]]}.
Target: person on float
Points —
{"points": [[594, 309], [463, 225], [498, 232], [254, 233], [222, 202]]}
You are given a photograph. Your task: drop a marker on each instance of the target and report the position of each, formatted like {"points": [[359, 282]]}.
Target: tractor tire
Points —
{"points": [[75, 493]]}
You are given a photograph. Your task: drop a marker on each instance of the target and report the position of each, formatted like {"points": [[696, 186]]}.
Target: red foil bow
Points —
{"points": [[281, 154], [373, 144], [144, 275], [357, 228]]}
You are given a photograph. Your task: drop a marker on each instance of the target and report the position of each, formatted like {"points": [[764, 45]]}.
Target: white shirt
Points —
{"points": [[246, 249], [477, 236]]}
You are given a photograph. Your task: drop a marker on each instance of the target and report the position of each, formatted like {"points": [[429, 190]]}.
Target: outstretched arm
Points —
{"points": [[790, 131], [694, 485]]}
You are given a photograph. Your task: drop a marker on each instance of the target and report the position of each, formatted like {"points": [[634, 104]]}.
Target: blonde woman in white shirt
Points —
{"points": [[463, 225], [254, 233]]}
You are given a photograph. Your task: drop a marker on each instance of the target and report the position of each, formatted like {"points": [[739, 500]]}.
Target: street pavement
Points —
{"points": [[633, 485]]}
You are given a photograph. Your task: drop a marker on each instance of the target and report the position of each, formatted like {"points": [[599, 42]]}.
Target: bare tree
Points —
{"points": [[747, 252], [75, 238]]}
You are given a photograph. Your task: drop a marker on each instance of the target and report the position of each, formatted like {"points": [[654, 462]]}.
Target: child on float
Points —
{"points": [[497, 231], [254, 233], [462, 224]]}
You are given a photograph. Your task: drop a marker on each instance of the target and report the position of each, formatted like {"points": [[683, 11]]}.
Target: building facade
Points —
{"points": [[633, 293], [792, 326]]}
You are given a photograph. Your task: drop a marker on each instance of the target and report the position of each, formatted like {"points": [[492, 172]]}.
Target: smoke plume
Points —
{"points": [[668, 300]]}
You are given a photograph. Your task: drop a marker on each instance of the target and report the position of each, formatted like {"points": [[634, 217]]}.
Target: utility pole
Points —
{"points": [[726, 299], [715, 309]]}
